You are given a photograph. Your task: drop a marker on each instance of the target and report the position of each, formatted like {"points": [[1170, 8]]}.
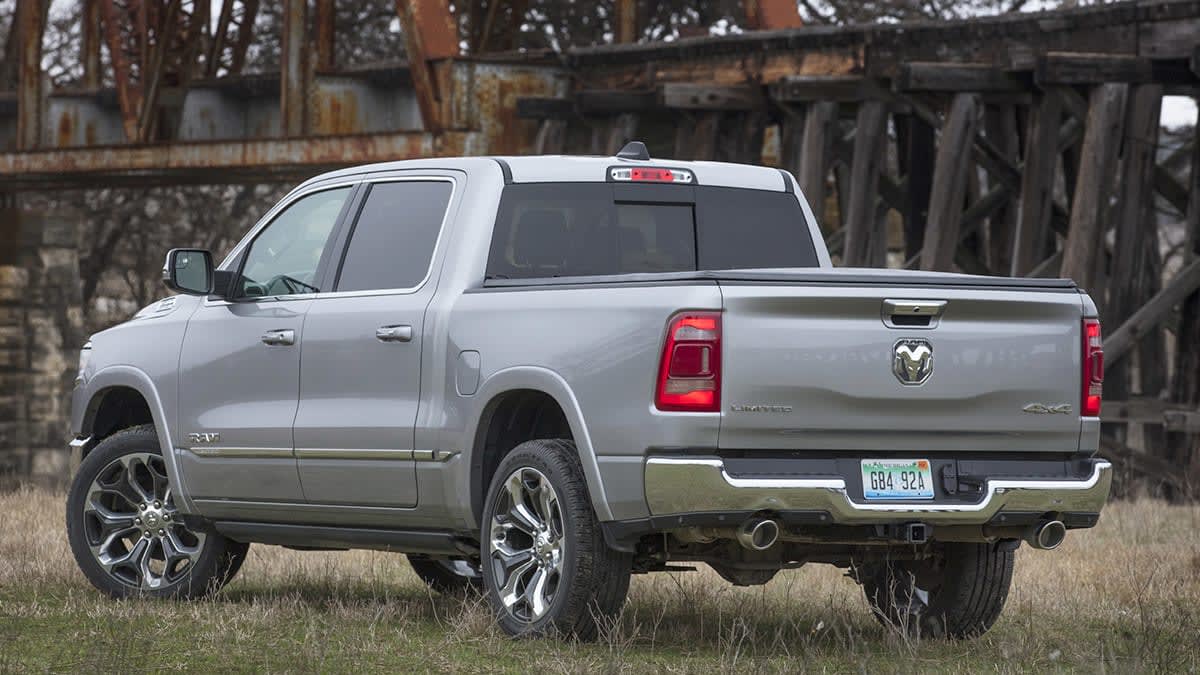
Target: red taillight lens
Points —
{"points": [[689, 374], [652, 175], [1093, 369]]}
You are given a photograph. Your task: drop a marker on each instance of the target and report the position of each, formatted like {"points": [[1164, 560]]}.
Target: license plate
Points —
{"points": [[897, 479]]}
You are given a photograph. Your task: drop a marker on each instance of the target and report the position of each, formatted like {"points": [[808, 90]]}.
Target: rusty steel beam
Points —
{"points": [[325, 35], [626, 21], [430, 36], [90, 44], [220, 161], [293, 64], [772, 14], [29, 25]]}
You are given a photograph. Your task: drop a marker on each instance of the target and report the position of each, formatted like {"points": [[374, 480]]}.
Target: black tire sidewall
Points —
{"points": [[217, 564], [559, 619]]}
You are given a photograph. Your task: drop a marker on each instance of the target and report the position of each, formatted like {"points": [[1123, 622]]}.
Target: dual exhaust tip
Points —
{"points": [[760, 534]]}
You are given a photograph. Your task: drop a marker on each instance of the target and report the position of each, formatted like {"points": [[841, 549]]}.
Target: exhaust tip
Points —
{"points": [[758, 534], [1048, 535]]}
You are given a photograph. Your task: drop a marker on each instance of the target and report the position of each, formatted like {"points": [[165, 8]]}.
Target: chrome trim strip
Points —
{"points": [[690, 485], [242, 453], [336, 453]]}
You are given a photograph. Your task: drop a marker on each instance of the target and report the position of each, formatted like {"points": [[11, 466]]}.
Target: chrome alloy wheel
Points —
{"points": [[527, 546], [133, 528]]}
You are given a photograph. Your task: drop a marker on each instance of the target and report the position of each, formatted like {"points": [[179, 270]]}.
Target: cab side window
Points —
{"points": [[392, 244], [283, 259]]}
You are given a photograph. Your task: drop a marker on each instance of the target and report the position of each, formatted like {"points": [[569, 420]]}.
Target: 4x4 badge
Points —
{"points": [[912, 360]]}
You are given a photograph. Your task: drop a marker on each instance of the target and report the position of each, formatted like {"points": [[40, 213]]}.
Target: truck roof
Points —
{"points": [[576, 169]]}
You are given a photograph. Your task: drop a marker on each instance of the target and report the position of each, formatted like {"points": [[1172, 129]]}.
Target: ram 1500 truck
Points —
{"points": [[537, 376]]}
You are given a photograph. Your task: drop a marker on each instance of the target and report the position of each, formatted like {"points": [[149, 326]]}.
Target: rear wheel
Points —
{"points": [[958, 592], [127, 534], [546, 567], [448, 577]]}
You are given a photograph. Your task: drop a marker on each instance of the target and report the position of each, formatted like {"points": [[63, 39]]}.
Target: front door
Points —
{"points": [[240, 363], [360, 376]]}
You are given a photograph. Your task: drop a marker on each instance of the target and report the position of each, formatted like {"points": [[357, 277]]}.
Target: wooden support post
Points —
{"points": [[28, 25], [704, 136], [919, 148], [1037, 183], [551, 138], [90, 44], [293, 66], [820, 129], [1000, 125], [621, 130], [864, 181], [626, 29], [326, 30], [1134, 276], [1183, 450], [1101, 141], [1152, 313], [949, 184]]}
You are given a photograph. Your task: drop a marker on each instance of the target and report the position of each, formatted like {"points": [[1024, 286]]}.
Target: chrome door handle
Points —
{"points": [[279, 337], [394, 333]]}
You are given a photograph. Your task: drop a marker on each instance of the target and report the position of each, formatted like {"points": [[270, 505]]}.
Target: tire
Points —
{"points": [[126, 534], [448, 577], [959, 593], [547, 570]]}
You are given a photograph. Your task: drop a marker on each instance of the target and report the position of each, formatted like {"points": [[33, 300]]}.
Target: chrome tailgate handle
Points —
{"points": [[912, 313], [279, 337], [394, 333]]}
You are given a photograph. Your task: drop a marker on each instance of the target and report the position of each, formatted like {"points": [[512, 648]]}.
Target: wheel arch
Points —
{"points": [[524, 393], [121, 396]]}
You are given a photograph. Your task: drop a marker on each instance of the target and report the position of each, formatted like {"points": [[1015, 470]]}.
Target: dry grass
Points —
{"points": [[1122, 598]]}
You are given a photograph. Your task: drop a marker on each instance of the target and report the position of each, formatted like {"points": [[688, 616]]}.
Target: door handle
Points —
{"points": [[394, 333], [279, 337]]}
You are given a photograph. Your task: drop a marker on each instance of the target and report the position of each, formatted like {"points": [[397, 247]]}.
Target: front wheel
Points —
{"points": [[958, 592], [126, 533], [546, 567]]}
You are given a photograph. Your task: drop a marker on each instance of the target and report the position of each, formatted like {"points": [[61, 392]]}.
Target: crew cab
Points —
{"points": [[537, 376]]}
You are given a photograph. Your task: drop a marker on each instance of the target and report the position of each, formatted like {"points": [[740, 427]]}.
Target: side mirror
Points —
{"points": [[189, 271]]}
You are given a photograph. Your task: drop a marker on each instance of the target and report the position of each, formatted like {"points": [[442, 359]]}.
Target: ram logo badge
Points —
{"points": [[912, 361], [205, 437]]}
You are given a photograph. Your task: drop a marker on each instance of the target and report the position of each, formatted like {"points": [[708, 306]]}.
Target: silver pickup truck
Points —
{"points": [[537, 376]]}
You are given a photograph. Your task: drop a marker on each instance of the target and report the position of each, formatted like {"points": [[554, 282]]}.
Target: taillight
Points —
{"points": [[1093, 368], [649, 174], [689, 374]]}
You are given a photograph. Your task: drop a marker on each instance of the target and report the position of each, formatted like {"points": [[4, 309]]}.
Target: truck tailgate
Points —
{"points": [[810, 363]]}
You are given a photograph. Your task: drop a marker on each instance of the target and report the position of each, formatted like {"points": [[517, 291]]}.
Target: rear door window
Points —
{"points": [[589, 229], [394, 237]]}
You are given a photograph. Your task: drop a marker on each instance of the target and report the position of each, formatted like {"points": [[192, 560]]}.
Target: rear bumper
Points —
{"points": [[677, 486]]}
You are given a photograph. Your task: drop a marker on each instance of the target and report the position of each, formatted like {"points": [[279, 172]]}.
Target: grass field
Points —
{"points": [[1124, 597]]}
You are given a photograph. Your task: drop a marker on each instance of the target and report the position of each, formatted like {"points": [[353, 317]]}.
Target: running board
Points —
{"points": [[426, 542]]}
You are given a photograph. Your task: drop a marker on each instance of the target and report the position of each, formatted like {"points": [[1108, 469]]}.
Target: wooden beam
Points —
{"points": [[804, 89], [1000, 125], [820, 128], [1142, 462], [28, 25], [551, 138], [1170, 189], [626, 29], [772, 14], [693, 96], [545, 108], [1152, 313], [615, 101], [949, 184], [918, 152], [957, 77], [326, 30], [1101, 142], [1072, 68], [1037, 183], [89, 44], [870, 132]]}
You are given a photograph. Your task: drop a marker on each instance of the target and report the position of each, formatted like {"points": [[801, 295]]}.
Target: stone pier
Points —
{"points": [[40, 335]]}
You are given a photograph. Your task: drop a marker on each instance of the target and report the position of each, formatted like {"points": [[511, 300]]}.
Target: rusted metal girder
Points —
{"points": [[430, 39], [29, 25], [325, 35], [90, 44], [295, 74], [627, 20], [221, 162], [772, 14]]}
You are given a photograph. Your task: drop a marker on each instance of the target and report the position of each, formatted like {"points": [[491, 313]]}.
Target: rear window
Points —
{"points": [[587, 229]]}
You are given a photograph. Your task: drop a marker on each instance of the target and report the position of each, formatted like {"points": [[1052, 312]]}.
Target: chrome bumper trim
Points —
{"points": [[681, 485]]}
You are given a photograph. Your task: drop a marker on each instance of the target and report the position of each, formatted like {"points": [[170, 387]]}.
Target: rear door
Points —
{"points": [[830, 367], [360, 374]]}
